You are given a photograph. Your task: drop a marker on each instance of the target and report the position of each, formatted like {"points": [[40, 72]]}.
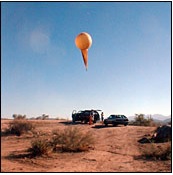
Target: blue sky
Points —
{"points": [[129, 66]]}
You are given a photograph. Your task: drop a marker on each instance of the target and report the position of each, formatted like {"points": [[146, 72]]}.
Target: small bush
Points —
{"points": [[140, 120], [19, 116], [19, 127], [72, 139], [39, 147], [157, 152]]}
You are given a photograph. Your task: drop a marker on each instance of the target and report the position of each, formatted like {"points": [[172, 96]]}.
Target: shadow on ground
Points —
{"points": [[18, 155], [95, 126], [100, 126], [6, 133], [71, 123]]}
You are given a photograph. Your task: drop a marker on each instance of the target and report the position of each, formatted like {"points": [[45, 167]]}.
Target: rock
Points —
{"points": [[163, 134], [144, 140]]}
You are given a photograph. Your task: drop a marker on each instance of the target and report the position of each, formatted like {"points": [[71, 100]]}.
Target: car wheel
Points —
{"points": [[125, 124], [114, 124], [106, 124]]}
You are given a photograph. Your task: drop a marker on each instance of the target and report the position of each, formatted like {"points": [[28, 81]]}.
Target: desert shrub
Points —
{"points": [[140, 120], [72, 139], [19, 116], [154, 151], [39, 147], [43, 117], [19, 127]]}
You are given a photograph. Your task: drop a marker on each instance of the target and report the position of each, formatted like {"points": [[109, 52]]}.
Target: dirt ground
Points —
{"points": [[116, 150]]}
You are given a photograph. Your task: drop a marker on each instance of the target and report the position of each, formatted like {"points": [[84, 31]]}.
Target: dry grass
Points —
{"points": [[72, 139], [39, 147], [18, 127], [157, 151], [122, 141]]}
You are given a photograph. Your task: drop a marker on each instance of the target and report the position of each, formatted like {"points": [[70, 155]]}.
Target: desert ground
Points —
{"points": [[116, 150]]}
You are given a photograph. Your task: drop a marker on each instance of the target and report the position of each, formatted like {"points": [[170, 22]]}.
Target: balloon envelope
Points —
{"points": [[83, 41]]}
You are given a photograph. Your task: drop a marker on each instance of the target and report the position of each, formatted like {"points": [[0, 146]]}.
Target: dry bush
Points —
{"points": [[72, 139], [39, 147], [18, 127], [155, 124], [19, 116], [140, 120], [157, 152]]}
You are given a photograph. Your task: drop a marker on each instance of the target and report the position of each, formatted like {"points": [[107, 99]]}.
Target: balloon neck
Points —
{"points": [[85, 57]]}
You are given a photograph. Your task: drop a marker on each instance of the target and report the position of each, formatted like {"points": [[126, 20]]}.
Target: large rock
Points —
{"points": [[163, 134]]}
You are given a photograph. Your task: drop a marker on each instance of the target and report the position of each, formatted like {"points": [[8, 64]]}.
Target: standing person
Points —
{"points": [[102, 118], [91, 117]]}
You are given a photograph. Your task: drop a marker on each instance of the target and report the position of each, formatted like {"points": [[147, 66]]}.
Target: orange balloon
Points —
{"points": [[83, 41]]}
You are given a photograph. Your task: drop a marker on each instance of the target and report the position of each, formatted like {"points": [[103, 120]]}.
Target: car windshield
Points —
{"points": [[111, 116], [86, 112]]}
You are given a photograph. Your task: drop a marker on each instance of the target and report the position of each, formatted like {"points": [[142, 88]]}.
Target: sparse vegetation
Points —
{"points": [[68, 140], [72, 139], [39, 147], [43, 117], [157, 152], [18, 127], [140, 120], [19, 116], [40, 151]]}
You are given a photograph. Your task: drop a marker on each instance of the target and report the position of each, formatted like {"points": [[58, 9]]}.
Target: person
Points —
{"points": [[91, 117], [102, 118]]}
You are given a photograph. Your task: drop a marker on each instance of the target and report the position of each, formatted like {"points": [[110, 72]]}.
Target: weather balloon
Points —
{"points": [[83, 41]]}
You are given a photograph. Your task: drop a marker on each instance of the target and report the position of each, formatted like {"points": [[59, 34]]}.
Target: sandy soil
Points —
{"points": [[116, 150]]}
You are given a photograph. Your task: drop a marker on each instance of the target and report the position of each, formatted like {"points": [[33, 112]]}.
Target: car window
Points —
{"points": [[123, 116], [87, 113], [117, 116], [110, 117]]}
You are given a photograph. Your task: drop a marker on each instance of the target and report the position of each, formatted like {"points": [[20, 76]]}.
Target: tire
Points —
{"points": [[106, 124], [114, 124], [74, 120]]}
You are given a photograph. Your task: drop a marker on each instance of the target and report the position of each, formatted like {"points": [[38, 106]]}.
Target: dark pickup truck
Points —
{"points": [[83, 116]]}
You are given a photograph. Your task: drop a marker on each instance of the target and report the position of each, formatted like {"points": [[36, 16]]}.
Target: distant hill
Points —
{"points": [[167, 120], [159, 118]]}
